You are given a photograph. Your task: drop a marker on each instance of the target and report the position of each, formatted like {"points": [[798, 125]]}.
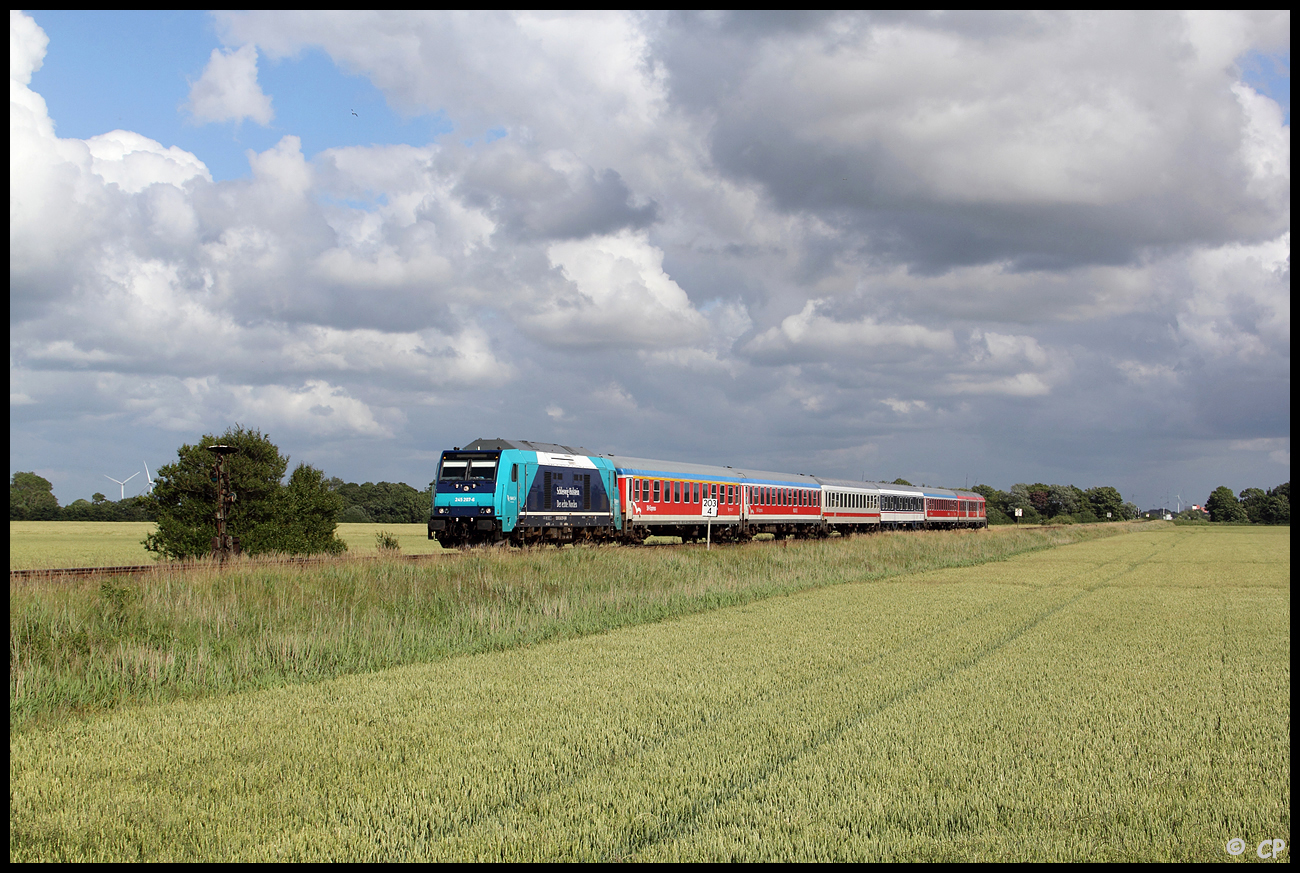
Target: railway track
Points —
{"points": [[83, 572]]}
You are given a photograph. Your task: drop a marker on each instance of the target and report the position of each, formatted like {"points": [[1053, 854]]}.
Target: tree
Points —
{"points": [[993, 500], [1020, 497], [901, 481], [1253, 500], [1223, 506], [1104, 499], [1061, 500], [354, 514], [266, 515], [305, 514], [31, 498]]}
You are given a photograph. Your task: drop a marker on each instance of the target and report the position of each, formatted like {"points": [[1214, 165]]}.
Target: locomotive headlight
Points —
{"points": [[442, 510], [485, 510]]}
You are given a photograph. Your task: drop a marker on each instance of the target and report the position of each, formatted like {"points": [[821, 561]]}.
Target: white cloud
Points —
{"points": [[617, 293], [810, 335], [27, 45], [1019, 385], [228, 89], [903, 407], [1278, 448], [1240, 304], [134, 162]]}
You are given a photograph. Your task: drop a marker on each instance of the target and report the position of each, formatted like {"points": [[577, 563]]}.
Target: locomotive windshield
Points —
{"points": [[483, 469]]}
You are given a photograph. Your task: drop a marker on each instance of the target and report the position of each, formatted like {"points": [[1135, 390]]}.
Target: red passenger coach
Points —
{"points": [[667, 498], [948, 509]]}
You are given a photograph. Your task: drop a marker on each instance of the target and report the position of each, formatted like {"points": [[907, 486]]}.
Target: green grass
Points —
{"points": [[1125, 698], [95, 644]]}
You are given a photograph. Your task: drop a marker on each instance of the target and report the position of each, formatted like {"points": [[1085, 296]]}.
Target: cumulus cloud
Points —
{"points": [[228, 89], [812, 334], [616, 291], [789, 238]]}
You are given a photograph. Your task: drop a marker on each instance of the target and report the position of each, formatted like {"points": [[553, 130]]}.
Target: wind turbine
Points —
{"points": [[148, 490], [1180, 502], [123, 481]]}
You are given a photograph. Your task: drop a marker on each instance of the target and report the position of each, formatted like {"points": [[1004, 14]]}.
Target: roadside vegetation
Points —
{"points": [[79, 646]]}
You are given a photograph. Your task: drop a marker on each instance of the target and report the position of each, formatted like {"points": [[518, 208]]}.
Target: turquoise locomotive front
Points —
{"points": [[517, 491]]}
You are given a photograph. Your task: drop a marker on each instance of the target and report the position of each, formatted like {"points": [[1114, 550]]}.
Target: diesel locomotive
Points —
{"points": [[521, 492]]}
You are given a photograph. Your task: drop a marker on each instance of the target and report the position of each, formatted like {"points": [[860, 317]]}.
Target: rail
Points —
{"points": [[83, 572]]}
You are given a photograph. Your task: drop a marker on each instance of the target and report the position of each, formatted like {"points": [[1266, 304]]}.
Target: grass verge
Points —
{"points": [[85, 646]]}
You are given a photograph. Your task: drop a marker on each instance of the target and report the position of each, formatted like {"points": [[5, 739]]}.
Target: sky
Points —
{"points": [[958, 248]]}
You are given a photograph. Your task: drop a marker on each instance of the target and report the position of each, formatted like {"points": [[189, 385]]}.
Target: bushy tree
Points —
{"points": [[1104, 499], [1223, 506], [1026, 498], [266, 515], [902, 481], [1268, 507], [305, 513], [1061, 500], [1129, 510], [354, 515], [31, 498]]}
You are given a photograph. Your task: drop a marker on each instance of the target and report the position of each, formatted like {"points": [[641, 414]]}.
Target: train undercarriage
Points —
{"points": [[459, 533]]}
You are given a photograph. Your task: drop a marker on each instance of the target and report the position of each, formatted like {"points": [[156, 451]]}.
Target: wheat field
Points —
{"points": [[1125, 698]]}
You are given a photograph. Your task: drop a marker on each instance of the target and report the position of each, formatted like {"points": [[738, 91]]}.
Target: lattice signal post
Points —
{"points": [[223, 544]]}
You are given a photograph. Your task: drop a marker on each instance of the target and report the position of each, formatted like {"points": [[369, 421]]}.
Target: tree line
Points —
{"points": [[31, 498], [1055, 504], [1253, 505]]}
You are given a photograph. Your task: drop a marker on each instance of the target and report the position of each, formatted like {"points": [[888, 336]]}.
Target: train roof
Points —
{"points": [[650, 467], [481, 445], [953, 492], [854, 483]]}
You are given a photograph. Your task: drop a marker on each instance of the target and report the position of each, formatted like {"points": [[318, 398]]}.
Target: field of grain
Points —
{"points": [[1125, 698], [42, 544]]}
